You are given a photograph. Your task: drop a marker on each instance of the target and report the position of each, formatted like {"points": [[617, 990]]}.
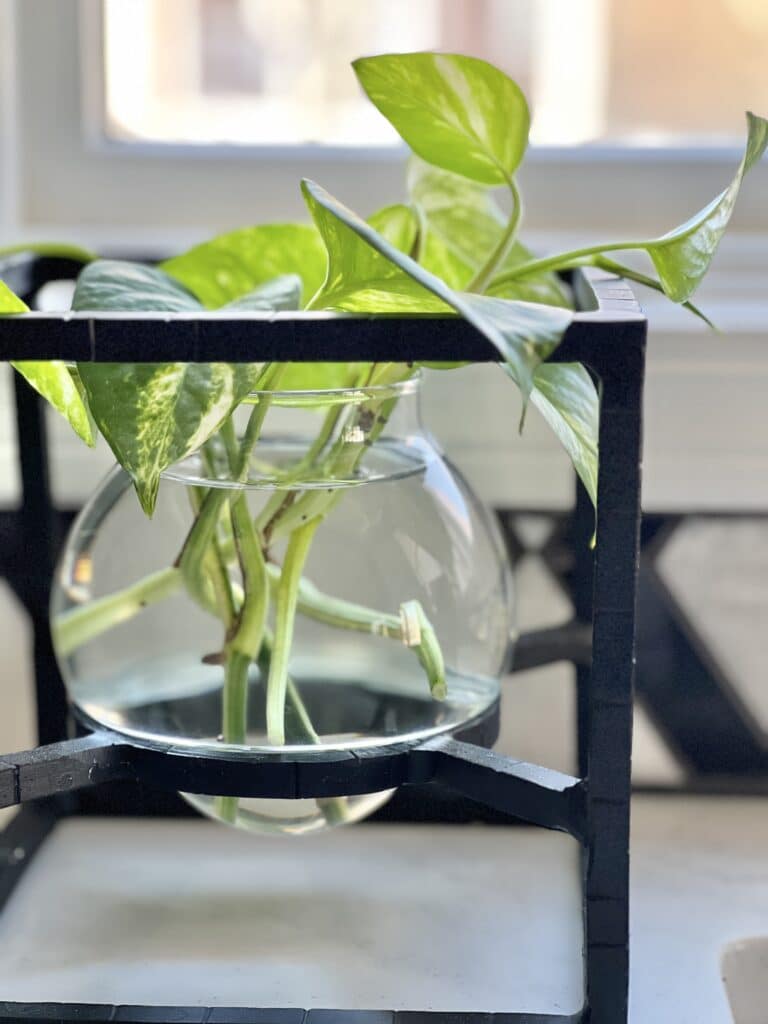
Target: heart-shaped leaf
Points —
{"points": [[456, 112], [50, 379], [152, 415], [233, 264], [682, 256]]}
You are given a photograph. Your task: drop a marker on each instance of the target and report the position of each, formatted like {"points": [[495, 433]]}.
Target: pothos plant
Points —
{"points": [[448, 249]]}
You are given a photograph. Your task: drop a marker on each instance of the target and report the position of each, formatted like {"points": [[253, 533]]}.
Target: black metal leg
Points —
{"points": [[35, 558], [610, 711]]}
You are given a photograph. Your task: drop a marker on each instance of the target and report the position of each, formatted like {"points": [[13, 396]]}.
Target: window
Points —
{"points": [[638, 122], [243, 71]]}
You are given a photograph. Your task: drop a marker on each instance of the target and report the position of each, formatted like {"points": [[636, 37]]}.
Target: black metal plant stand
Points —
{"points": [[59, 777]]}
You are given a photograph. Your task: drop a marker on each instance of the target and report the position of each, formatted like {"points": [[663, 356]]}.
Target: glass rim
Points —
{"points": [[353, 393]]}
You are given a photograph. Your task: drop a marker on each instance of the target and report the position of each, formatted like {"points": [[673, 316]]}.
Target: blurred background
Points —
{"points": [[138, 127]]}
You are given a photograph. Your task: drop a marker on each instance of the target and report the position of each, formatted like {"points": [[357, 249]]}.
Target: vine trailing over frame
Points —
{"points": [[449, 249]]}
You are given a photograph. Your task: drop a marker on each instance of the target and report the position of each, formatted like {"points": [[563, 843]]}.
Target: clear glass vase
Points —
{"points": [[334, 585]]}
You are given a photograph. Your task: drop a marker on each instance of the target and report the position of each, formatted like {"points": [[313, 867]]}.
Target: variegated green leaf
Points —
{"points": [[368, 274], [566, 397], [152, 415], [123, 285], [363, 276], [398, 224], [282, 292], [523, 333], [682, 256], [50, 379], [456, 112], [53, 380], [231, 265]]}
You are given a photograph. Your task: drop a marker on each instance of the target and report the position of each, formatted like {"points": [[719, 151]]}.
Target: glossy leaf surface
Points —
{"points": [[51, 378], [460, 113], [231, 265]]}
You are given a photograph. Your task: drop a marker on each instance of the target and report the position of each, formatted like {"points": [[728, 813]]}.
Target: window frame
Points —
{"points": [[69, 175]]}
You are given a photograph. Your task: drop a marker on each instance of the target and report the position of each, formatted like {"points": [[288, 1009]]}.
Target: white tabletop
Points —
{"points": [[426, 917]]}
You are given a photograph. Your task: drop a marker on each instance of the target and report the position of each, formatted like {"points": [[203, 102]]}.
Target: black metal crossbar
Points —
{"points": [[608, 335], [63, 1013]]}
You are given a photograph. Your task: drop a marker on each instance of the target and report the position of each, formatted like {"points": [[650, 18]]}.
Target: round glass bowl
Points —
{"points": [[387, 620]]}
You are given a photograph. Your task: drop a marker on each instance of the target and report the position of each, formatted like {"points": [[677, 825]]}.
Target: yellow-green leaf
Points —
{"points": [[460, 113], [682, 256], [50, 379], [231, 265], [154, 414]]}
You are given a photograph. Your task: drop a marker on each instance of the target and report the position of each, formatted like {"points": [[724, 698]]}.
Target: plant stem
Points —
{"points": [[287, 595], [481, 279], [635, 275], [245, 635], [562, 261], [76, 627], [333, 611]]}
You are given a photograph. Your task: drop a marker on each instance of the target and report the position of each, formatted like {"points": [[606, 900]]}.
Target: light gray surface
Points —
{"points": [[375, 916], [381, 916], [699, 881]]}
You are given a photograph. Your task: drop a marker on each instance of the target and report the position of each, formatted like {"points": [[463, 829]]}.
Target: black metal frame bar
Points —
{"points": [[609, 337]]}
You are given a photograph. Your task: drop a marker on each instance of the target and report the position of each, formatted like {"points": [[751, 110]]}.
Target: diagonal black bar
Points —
{"points": [[535, 794], [681, 682], [19, 842], [572, 641]]}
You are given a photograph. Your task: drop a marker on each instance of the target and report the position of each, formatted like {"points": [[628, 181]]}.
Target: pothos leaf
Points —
{"points": [[524, 333], [566, 397], [50, 379], [53, 380], [682, 256], [398, 224], [231, 265], [282, 292], [363, 276], [152, 415], [366, 273], [621, 270], [123, 285], [461, 225], [460, 113], [10, 302]]}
